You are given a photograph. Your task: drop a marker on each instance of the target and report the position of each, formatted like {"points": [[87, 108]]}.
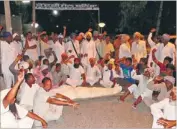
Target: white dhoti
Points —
{"points": [[73, 82], [134, 90], [86, 92], [92, 80], [107, 84]]}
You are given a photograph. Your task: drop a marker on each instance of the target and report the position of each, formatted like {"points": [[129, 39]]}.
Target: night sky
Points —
{"points": [[81, 20]]}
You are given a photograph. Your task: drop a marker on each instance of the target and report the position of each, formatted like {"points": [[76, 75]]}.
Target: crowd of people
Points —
{"points": [[44, 72]]}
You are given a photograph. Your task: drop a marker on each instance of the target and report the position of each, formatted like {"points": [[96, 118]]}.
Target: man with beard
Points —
{"points": [[88, 49], [77, 74]]}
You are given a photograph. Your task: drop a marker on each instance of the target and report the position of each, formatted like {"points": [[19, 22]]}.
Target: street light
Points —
{"points": [[36, 25], [55, 12], [25, 1], [101, 25], [57, 26]]}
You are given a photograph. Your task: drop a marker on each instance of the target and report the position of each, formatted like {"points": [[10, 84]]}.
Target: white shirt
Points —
{"points": [[124, 51], [41, 106], [32, 53], [165, 51], [8, 120], [59, 49], [93, 72], [107, 74], [42, 47], [17, 46], [26, 95], [89, 48], [139, 50], [150, 41], [156, 54], [168, 107], [75, 74], [70, 47], [8, 55]]}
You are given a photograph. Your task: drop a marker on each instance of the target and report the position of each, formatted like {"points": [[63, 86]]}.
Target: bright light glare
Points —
{"points": [[101, 24], [25, 1], [55, 12], [36, 25]]}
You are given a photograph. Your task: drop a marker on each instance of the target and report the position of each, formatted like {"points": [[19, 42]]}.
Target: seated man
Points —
{"points": [[93, 74], [109, 75], [27, 92], [76, 74], [44, 72], [58, 77], [13, 115], [50, 106], [164, 110]]}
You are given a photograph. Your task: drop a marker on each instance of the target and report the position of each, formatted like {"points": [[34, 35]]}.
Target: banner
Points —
{"points": [[63, 6]]}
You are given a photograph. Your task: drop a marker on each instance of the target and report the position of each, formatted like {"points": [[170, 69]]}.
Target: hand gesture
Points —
{"points": [[90, 30], [21, 75], [153, 30], [154, 50], [72, 56], [44, 124], [19, 57]]}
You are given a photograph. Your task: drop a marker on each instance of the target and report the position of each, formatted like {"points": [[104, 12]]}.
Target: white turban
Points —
{"points": [[166, 37], [170, 79], [24, 65], [14, 35], [60, 36], [43, 67]]}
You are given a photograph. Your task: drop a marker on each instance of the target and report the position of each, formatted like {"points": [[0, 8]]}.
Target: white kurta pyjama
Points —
{"points": [[32, 53], [169, 111], [59, 49], [8, 120], [93, 74], [106, 77], [45, 110], [139, 50], [26, 95], [75, 78], [17, 46], [124, 51], [88, 48], [8, 56]]}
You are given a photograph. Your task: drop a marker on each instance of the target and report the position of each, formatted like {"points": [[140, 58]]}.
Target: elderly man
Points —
{"points": [[164, 110], [138, 47], [124, 50], [93, 74], [109, 48], [8, 55], [88, 49], [43, 43], [166, 48]]}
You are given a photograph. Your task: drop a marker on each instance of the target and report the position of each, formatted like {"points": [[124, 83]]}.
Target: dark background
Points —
{"points": [[109, 13]]}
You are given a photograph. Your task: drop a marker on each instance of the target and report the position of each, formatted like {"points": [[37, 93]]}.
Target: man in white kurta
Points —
{"points": [[58, 47], [16, 44], [138, 47], [27, 92], [31, 47], [76, 74], [8, 55], [166, 48], [88, 49], [124, 50], [70, 46], [93, 74], [165, 109]]}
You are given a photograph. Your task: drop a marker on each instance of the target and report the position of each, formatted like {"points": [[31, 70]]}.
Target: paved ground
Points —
{"points": [[104, 112]]}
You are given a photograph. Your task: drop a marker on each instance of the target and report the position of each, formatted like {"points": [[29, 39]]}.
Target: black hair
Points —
{"points": [[45, 79], [169, 59], [129, 59], [144, 60], [45, 61], [171, 66], [27, 76], [58, 65], [26, 58], [29, 32], [40, 58]]}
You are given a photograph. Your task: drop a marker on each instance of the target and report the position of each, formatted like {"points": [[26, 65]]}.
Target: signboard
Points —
{"points": [[63, 6]]}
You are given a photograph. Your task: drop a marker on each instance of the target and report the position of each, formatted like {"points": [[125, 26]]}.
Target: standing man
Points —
{"points": [[31, 47], [88, 49], [16, 44], [8, 56], [138, 47], [109, 48]]}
